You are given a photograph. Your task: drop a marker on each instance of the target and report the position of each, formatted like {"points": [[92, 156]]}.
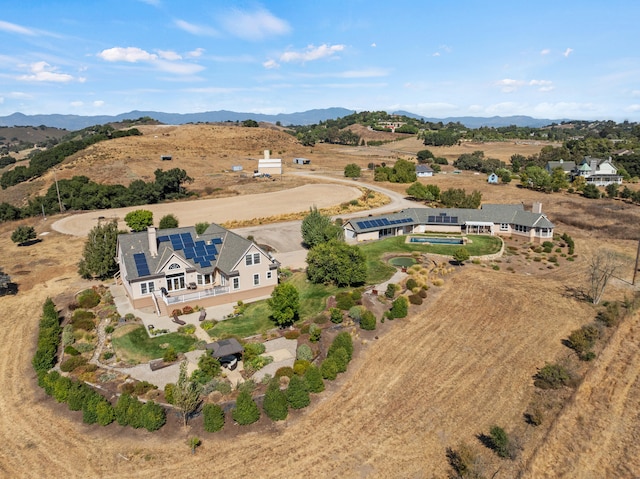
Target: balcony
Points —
{"points": [[175, 298]]}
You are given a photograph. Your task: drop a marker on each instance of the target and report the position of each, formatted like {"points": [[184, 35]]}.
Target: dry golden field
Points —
{"points": [[444, 376]]}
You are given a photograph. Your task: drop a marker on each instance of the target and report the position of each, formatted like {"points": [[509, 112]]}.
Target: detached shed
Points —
{"points": [[225, 347], [166, 157], [301, 161]]}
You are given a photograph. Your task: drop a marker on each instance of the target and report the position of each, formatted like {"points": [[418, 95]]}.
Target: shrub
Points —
{"points": [[297, 393], [344, 301], [500, 441], [72, 363], [295, 334], [336, 315], [304, 329], [582, 340], [109, 329], [300, 366], [329, 369], [143, 387], [356, 295], [313, 378], [246, 411], [415, 299], [422, 293], [411, 284], [67, 335], [285, 371], [314, 333], [609, 317], [341, 358], [88, 299], [304, 352], [213, 416], [391, 290], [108, 355], [71, 351], [105, 413], [187, 310], [399, 308], [208, 324], [275, 402], [552, 376], [82, 319], [257, 362], [342, 340], [368, 321], [84, 347], [187, 329], [170, 355], [152, 416], [176, 312], [252, 350], [168, 392], [356, 313]]}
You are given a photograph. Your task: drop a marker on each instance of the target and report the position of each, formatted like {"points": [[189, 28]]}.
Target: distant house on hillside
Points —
{"points": [[599, 172], [423, 171], [493, 179]]}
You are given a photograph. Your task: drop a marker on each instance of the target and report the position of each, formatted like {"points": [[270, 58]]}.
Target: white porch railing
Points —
{"points": [[206, 293]]}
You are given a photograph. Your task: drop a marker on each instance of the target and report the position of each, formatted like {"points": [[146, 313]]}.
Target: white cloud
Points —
{"points": [[373, 45], [200, 30], [509, 85], [76, 104], [271, 64], [255, 25], [436, 54], [1, 100], [546, 51], [43, 72], [179, 68], [128, 54], [544, 85], [169, 55], [633, 108], [568, 52], [195, 53], [369, 73], [311, 53], [98, 103], [13, 28]]}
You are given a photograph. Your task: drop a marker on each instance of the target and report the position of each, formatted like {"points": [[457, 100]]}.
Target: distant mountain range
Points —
{"points": [[310, 117]]}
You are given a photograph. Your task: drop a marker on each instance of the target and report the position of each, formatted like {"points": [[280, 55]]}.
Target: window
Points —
{"points": [[504, 226], [174, 266], [269, 274], [147, 287], [236, 283], [204, 279], [256, 279], [252, 259]]}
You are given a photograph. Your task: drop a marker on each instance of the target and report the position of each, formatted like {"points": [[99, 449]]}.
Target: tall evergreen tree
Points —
{"points": [[297, 394], [275, 402], [246, 410], [313, 378], [98, 257]]}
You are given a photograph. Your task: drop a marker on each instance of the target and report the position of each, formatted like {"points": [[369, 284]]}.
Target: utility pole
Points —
{"points": [[635, 270]]}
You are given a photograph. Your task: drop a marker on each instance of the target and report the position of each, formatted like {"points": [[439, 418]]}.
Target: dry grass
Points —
{"points": [[438, 379]]}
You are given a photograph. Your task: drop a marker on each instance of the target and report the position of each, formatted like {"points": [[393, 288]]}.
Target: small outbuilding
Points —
{"points": [[492, 179], [301, 161], [225, 347], [236, 168], [166, 157], [269, 166]]}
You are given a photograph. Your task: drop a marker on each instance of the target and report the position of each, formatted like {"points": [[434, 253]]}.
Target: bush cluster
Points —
{"points": [[48, 338], [552, 376], [72, 363], [83, 319], [275, 404], [336, 315], [583, 340], [345, 301], [213, 417], [130, 411], [187, 310], [415, 299], [89, 298], [399, 308], [570, 243], [368, 321], [338, 356]]}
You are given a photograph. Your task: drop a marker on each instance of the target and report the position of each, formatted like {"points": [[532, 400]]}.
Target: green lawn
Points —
{"points": [[131, 342], [379, 271]]}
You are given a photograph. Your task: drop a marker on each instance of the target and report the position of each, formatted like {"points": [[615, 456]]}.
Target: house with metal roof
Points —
{"points": [[175, 267], [492, 219]]}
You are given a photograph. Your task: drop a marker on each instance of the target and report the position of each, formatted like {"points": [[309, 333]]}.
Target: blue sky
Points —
{"points": [[546, 59]]}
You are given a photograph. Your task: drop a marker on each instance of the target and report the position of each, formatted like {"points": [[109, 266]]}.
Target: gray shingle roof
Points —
{"points": [[230, 247]]}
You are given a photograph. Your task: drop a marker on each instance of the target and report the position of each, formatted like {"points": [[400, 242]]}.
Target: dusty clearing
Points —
{"points": [[444, 376]]}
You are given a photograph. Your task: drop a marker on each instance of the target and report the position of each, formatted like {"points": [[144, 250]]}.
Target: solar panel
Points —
{"points": [[211, 249], [216, 240], [186, 240], [141, 264], [385, 221], [199, 259], [431, 219], [360, 224], [162, 239], [189, 253], [407, 220], [379, 223], [205, 264], [454, 219]]}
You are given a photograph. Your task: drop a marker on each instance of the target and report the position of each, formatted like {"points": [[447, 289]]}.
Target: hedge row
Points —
{"points": [[48, 338]]}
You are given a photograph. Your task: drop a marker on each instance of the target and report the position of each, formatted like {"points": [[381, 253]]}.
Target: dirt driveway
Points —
{"points": [[222, 209]]}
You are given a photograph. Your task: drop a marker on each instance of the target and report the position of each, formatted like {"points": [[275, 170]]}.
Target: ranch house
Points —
{"points": [[505, 220], [172, 268]]}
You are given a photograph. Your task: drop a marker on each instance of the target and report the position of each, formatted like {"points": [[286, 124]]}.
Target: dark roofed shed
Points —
{"points": [[225, 347]]}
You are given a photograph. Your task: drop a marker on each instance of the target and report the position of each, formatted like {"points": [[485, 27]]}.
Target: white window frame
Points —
{"points": [[256, 279], [269, 274], [504, 226], [236, 283], [174, 266], [147, 287], [256, 258]]}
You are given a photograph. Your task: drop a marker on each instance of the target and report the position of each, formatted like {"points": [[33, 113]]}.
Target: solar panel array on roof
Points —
{"points": [[443, 218], [141, 264], [197, 251], [378, 223], [162, 239]]}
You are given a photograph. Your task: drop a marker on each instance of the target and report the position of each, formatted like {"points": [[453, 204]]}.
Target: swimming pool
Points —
{"points": [[424, 239]]}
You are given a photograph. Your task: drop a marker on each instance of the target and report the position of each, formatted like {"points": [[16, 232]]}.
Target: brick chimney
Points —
{"points": [[537, 207], [153, 242]]}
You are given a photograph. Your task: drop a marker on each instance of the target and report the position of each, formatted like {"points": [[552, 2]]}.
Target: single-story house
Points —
{"points": [[490, 219], [172, 268], [492, 179], [423, 171]]}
